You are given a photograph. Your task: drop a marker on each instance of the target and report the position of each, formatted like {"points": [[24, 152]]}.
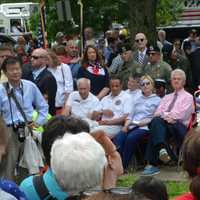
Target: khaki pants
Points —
{"points": [[9, 160]]}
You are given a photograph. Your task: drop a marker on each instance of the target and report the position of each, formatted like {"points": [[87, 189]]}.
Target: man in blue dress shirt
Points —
{"points": [[30, 99]]}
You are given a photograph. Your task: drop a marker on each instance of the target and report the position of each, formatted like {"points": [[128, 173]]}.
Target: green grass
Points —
{"points": [[174, 188]]}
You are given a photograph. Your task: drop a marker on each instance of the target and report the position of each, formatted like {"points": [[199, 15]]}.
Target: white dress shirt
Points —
{"points": [[63, 76]]}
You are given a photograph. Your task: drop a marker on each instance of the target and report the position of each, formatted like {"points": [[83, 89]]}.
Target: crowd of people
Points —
{"points": [[74, 122]]}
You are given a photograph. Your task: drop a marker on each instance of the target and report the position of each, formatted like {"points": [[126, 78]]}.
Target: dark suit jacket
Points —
{"points": [[45, 82], [194, 58]]}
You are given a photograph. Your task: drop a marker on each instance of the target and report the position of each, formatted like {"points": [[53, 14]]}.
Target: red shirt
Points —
{"points": [[187, 196]]}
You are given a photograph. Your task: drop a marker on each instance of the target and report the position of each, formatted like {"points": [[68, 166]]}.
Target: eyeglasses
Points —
{"points": [[116, 190], [145, 83], [139, 40], [153, 53], [73, 47]]}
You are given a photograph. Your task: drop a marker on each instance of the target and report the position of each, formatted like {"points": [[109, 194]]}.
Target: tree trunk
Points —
{"points": [[142, 18]]}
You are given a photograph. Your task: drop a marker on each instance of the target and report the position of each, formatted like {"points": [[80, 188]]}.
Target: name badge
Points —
{"points": [[118, 102]]}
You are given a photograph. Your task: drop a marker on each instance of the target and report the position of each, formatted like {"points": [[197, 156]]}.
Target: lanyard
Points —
{"points": [[63, 76], [9, 98]]}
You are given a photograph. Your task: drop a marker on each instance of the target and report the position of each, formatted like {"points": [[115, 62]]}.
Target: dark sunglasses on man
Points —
{"points": [[139, 40]]}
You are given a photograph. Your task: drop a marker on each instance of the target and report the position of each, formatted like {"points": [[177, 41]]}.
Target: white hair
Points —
{"points": [[77, 162], [180, 72], [83, 80]]}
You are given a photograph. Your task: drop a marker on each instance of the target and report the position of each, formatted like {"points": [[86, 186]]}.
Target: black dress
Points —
{"points": [[98, 76]]}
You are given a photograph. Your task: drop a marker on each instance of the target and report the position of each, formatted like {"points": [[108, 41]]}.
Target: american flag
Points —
{"points": [[191, 10], [40, 37]]}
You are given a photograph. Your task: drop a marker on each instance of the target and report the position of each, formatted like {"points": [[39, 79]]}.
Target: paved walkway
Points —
{"points": [[168, 174]]}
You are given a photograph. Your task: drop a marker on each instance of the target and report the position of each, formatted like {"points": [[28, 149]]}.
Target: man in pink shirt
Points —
{"points": [[171, 117]]}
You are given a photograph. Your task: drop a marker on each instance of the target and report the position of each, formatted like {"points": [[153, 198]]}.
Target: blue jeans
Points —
{"points": [[126, 142]]}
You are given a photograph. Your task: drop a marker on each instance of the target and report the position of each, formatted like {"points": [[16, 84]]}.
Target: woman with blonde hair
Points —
{"points": [[136, 124]]}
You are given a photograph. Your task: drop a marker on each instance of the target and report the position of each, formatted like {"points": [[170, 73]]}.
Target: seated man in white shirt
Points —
{"points": [[115, 107], [82, 103]]}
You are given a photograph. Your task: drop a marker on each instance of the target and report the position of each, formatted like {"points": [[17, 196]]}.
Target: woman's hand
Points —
{"points": [[125, 129]]}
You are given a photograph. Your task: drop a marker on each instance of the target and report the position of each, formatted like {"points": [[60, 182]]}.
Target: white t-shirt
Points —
{"points": [[83, 107], [63, 76], [120, 105]]}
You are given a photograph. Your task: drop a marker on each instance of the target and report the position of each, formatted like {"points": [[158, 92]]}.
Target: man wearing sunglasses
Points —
{"points": [[38, 73], [140, 54], [156, 68]]}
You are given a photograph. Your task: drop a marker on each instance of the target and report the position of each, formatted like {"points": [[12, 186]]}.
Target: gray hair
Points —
{"points": [[77, 162], [180, 72], [83, 80]]}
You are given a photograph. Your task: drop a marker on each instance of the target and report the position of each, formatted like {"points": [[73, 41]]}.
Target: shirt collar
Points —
{"points": [[179, 91], [143, 52], [36, 72], [15, 88], [117, 95]]}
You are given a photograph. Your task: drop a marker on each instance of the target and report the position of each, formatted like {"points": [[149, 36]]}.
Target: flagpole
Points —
{"points": [[81, 24], [42, 5]]}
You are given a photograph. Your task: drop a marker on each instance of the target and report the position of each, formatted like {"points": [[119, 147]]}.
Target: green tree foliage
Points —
{"points": [[100, 14], [168, 11]]}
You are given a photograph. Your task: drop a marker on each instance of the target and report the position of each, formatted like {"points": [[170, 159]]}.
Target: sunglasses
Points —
{"points": [[4, 56], [36, 57], [145, 83], [139, 40], [152, 54]]}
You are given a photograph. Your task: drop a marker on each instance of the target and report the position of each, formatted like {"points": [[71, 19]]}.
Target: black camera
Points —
{"points": [[19, 129]]}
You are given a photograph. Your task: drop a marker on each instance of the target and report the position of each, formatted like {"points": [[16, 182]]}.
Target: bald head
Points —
{"points": [[83, 85], [140, 41], [39, 58]]}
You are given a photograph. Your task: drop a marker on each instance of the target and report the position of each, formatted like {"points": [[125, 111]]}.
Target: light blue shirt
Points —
{"points": [[144, 107], [28, 95], [36, 72], [49, 179]]}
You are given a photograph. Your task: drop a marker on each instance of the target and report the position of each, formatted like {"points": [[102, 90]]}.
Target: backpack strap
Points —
{"points": [[41, 189]]}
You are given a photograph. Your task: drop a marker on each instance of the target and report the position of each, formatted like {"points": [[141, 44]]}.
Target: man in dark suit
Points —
{"points": [[38, 73], [140, 55], [194, 58]]}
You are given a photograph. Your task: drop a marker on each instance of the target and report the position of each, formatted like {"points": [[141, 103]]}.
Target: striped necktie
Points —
{"points": [[141, 58]]}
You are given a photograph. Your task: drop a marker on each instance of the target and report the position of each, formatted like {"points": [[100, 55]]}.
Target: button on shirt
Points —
{"points": [[144, 108], [82, 107], [28, 95], [63, 76], [182, 109], [120, 105]]}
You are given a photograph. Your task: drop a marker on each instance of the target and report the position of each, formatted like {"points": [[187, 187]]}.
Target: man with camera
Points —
{"points": [[19, 98]]}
